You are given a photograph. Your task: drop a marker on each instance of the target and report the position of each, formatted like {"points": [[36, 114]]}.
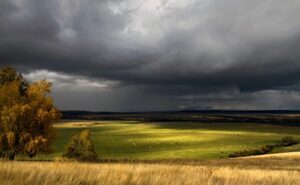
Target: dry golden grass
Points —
{"points": [[221, 172]]}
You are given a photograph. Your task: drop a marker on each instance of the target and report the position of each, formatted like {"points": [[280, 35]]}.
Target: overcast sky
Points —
{"points": [[138, 55]]}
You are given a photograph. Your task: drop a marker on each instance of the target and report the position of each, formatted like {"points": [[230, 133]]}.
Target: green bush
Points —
{"points": [[267, 148], [263, 150], [81, 148], [285, 141], [288, 141]]}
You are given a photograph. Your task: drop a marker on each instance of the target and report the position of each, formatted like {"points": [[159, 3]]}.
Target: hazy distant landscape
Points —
{"points": [[280, 117]]}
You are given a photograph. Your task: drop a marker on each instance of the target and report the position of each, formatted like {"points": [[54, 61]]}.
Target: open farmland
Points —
{"points": [[119, 140]]}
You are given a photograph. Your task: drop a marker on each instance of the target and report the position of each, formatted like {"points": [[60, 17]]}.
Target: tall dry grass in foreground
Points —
{"points": [[51, 173]]}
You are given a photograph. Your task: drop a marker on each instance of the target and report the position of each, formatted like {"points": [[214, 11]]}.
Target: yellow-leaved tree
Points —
{"points": [[26, 115]]}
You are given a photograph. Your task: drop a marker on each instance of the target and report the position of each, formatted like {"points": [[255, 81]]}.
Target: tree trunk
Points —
{"points": [[11, 156], [31, 155]]}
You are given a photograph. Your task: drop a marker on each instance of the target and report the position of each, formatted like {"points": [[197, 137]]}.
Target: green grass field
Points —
{"points": [[179, 140]]}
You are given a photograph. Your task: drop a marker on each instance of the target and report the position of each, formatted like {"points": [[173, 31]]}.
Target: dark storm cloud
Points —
{"points": [[156, 48]]}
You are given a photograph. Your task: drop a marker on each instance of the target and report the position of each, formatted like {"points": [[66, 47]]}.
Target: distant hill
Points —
{"points": [[283, 117]]}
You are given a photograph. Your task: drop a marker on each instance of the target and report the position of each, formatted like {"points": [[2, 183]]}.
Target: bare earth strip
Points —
{"points": [[291, 155]]}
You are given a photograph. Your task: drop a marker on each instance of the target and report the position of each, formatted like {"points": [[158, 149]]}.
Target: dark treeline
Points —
{"points": [[282, 117]]}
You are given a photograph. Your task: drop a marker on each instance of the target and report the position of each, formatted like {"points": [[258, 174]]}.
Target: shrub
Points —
{"points": [[267, 148], [263, 150], [288, 141], [81, 147]]}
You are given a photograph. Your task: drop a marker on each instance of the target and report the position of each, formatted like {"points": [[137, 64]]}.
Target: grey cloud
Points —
{"points": [[165, 50]]}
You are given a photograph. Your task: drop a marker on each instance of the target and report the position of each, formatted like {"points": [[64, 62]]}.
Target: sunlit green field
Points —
{"points": [[179, 140]]}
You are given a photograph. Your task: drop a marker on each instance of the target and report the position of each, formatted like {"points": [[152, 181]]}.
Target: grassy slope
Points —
{"points": [[133, 140]]}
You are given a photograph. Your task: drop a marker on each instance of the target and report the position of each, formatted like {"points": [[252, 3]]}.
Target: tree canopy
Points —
{"points": [[26, 115]]}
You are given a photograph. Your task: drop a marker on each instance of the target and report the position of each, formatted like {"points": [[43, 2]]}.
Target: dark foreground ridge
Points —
{"points": [[282, 117]]}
